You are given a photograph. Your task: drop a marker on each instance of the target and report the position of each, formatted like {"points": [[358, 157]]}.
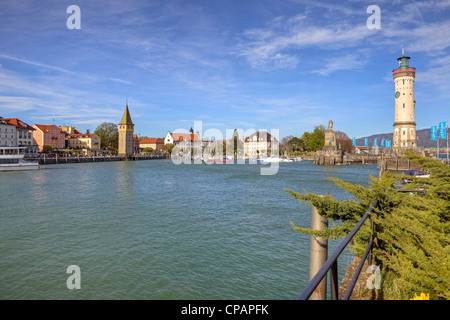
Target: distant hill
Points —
{"points": [[423, 139]]}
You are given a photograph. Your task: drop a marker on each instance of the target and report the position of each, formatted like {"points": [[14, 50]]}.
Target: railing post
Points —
{"points": [[334, 281], [318, 254], [369, 259]]}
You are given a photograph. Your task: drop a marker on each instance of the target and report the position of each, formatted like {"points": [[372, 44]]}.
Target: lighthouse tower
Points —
{"points": [[126, 129], [405, 121]]}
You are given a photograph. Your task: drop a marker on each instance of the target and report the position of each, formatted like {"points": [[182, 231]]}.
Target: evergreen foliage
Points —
{"points": [[411, 235]]}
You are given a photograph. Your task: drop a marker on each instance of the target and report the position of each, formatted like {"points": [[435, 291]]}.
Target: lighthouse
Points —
{"points": [[404, 118]]}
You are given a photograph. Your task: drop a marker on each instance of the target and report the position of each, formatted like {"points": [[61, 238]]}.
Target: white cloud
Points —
{"points": [[277, 47], [431, 37], [346, 62], [120, 81], [34, 63], [17, 103]]}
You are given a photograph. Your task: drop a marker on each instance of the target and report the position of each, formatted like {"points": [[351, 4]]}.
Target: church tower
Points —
{"points": [[404, 122], [126, 129]]}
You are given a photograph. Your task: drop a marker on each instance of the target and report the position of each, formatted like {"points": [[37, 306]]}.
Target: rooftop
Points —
{"points": [[126, 118]]}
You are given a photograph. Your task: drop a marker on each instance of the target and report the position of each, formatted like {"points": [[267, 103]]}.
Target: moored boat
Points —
{"points": [[12, 159], [416, 173], [270, 159]]}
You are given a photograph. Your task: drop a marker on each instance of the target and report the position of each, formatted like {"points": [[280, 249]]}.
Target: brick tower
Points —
{"points": [[126, 129]]}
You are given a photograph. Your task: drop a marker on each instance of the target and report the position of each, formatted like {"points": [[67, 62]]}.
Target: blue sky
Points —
{"points": [[254, 64]]}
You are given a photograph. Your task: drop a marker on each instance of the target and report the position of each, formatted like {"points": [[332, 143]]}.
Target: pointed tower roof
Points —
{"points": [[126, 118]]}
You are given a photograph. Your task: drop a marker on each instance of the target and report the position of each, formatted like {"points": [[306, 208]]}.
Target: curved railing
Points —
{"points": [[331, 263]]}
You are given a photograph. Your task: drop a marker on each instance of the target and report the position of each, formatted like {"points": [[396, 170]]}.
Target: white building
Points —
{"points": [[24, 135], [260, 143], [8, 133], [184, 138]]}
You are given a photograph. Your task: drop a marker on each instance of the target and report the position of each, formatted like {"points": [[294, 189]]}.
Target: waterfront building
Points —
{"points": [[87, 142], [8, 133], [126, 129], [177, 138], [156, 144], [258, 143], [24, 134], [404, 122], [48, 135], [185, 142]]}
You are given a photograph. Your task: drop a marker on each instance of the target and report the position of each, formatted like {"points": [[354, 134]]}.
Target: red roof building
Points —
{"points": [[50, 135], [24, 133], [156, 144]]}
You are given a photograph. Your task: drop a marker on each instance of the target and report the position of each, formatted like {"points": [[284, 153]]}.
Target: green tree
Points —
{"points": [[47, 148], [109, 135], [168, 148], [297, 144], [305, 138], [412, 243], [315, 140], [148, 149]]}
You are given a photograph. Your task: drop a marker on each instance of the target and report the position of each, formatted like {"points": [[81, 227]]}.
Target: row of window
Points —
{"points": [[6, 130], [403, 81], [24, 135], [404, 132]]}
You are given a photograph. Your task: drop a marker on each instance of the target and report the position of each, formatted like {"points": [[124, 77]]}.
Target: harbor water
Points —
{"points": [[155, 230]]}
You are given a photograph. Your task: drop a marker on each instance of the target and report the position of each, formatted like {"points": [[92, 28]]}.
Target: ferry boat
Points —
{"points": [[12, 159]]}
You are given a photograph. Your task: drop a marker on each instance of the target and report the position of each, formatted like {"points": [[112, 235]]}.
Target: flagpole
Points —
{"points": [[446, 134], [437, 145]]}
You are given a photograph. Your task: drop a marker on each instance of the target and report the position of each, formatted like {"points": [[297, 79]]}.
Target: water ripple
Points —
{"points": [[155, 230]]}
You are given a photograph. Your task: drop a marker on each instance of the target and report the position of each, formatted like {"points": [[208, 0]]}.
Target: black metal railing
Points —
{"points": [[331, 263]]}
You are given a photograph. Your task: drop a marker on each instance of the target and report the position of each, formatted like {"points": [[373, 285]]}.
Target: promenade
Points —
{"points": [[55, 159]]}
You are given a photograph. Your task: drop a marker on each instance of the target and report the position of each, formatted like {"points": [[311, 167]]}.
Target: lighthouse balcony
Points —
{"points": [[400, 70]]}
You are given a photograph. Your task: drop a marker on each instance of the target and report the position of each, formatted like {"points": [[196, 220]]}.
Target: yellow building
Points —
{"points": [[88, 142]]}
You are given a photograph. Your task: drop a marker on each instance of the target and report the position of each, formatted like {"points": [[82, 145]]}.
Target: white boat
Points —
{"points": [[416, 173], [270, 159], [12, 159]]}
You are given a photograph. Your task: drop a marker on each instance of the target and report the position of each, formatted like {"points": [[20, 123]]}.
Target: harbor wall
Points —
{"points": [[340, 158], [58, 160]]}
